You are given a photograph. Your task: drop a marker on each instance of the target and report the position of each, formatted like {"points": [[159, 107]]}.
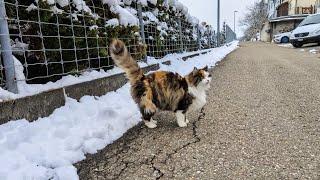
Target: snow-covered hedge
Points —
{"points": [[57, 37]]}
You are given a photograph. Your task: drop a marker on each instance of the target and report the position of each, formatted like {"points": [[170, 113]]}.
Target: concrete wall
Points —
{"points": [[265, 33]]}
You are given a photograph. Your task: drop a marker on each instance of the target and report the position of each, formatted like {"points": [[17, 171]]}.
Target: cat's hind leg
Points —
{"points": [[148, 109]]}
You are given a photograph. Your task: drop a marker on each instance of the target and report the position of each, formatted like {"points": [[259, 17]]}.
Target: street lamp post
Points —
{"points": [[218, 24], [234, 23]]}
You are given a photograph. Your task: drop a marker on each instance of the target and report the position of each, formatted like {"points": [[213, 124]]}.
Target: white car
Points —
{"points": [[282, 38], [308, 31]]}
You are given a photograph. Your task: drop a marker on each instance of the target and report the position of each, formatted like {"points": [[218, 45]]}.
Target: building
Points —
{"points": [[286, 15]]}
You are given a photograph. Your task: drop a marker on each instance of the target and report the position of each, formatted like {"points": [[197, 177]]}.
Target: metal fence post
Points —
{"points": [[199, 37], [141, 26], [209, 39], [8, 61], [180, 34]]}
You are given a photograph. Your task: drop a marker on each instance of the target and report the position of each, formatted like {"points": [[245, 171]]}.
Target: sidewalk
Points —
{"points": [[261, 122]]}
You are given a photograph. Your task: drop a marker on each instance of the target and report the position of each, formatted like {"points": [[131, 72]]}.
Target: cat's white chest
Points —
{"points": [[200, 98]]}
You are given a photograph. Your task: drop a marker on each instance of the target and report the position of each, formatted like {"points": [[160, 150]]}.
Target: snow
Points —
{"points": [[47, 148], [154, 2], [125, 17], [94, 27], [31, 7], [150, 16], [112, 22], [143, 2], [127, 2], [56, 10], [63, 3], [111, 2], [313, 51], [288, 45], [81, 6], [18, 47]]}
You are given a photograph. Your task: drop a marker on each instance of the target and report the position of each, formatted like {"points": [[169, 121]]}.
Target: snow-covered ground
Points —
{"points": [[312, 48], [287, 45], [47, 148]]}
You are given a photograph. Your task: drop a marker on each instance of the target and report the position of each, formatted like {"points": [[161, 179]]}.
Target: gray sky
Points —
{"points": [[206, 10]]}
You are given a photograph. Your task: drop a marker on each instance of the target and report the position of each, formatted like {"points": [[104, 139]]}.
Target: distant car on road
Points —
{"points": [[282, 38], [308, 31]]}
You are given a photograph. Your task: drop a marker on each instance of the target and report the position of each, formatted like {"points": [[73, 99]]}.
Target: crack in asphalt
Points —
{"points": [[194, 133], [126, 165], [158, 173], [196, 140]]}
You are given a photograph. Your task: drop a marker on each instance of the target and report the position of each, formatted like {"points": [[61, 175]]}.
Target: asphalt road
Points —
{"points": [[261, 122]]}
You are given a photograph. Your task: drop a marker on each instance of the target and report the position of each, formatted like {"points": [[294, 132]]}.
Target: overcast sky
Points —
{"points": [[206, 10]]}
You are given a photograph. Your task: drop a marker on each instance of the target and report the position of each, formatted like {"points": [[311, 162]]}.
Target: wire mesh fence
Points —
{"points": [[2, 80], [52, 39]]}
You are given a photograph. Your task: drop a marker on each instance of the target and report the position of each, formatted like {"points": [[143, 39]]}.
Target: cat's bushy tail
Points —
{"points": [[124, 60]]}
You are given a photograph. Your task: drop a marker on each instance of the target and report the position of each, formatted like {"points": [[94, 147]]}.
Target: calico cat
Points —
{"points": [[166, 91]]}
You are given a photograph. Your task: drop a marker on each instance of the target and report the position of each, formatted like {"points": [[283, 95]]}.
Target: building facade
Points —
{"points": [[286, 15]]}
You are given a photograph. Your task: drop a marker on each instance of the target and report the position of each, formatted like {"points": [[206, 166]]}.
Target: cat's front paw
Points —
{"points": [[150, 124], [155, 122], [182, 124], [187, 121]]}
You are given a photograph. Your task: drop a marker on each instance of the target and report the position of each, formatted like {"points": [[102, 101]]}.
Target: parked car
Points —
{"points": [[282, 38], [308, 31]]}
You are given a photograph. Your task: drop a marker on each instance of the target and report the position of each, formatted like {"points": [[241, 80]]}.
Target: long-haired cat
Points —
{"points": [[162, 90]]}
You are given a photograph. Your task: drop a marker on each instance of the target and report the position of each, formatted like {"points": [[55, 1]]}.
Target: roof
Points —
{"points": [[289, 18]]}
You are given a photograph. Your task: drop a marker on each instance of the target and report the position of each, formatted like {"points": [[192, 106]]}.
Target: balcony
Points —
{"points": [[283, 9], [305, 10]]}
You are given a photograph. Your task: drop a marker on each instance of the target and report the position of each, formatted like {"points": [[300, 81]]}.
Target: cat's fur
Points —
{"points": [[162, 90]]}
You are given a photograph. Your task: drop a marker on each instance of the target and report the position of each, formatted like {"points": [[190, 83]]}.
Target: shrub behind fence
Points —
{"points": [[52, 39]]}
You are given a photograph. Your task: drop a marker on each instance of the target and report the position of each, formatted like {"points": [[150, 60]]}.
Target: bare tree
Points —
{"points": [[254, 19]]}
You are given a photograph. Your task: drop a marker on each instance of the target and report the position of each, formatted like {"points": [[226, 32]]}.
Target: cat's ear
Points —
{"points": [[195, 71], [206, 68]]}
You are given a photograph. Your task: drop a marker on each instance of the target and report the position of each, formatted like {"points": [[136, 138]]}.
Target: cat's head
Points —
{"points": [[200, 78]]}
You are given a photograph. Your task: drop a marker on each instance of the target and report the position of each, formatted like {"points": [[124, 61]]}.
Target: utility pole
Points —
{"points": [[218, 25]]}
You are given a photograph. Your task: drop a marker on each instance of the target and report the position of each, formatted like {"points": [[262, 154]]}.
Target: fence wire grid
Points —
{"points": [[51, 41]]}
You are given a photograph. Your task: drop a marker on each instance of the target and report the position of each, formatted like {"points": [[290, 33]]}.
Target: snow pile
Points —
{"points": [[47, 148], [286, 45], [313, 51], [184, 67]]}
